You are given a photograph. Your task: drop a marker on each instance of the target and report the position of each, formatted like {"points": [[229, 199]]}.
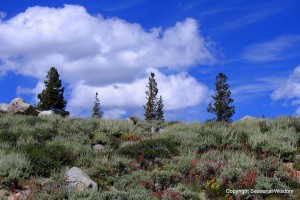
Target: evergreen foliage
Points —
{"points": [[159, 111], [221, 107], [150, 107], [52, 97], [97, 108]]}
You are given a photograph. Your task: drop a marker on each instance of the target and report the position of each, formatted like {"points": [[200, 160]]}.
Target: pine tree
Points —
{"points": [[52, 97], [221, 107], [151, 107], [97, 113], [159, 111]]}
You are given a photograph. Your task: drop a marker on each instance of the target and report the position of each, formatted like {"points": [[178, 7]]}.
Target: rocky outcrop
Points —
{"points": [[46, 113], [249, 118], [3, 107], [78, 180], [19, 106], [129, 120]]}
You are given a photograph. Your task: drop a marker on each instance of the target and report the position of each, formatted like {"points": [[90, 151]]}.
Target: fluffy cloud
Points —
{"points": [[93, 49], [179, 91], [290, 89], [109, 55]]}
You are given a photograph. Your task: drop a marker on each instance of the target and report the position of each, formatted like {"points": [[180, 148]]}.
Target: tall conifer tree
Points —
{"points": [[159, 111], [221, 107], [150, 107], [52, 97], [154, 105], [97, 113]]}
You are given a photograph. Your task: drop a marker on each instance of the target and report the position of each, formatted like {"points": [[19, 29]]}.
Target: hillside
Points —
{"points": [[128, 160]]}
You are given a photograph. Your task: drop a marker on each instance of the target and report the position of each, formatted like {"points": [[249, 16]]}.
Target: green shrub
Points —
{"points": [[131, 181], [110, 195], [47, 190], [268, 166], [5, 147], [13, 167], [264, 126], [237, 139], [100, 138], [44, 131], [101, 174], [195, 137], [296, 165], [232, 175], [279, 142], [180, 164], [45, 159], [116, 127], [6, 136], [151, 149], [85, 195], [175, 193], [185, 192], [140, 193], [268, 183]]}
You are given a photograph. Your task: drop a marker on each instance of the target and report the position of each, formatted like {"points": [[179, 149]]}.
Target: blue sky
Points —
{"points": [[112, 46]]}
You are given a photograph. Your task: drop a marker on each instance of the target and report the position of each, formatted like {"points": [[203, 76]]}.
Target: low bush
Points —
{"points": [[232, 176], [268, 166], [110, 195], [140, 194], [181, 164], [296, 165], [133, 180], [13, 167], [44, 131], [100, 138], [268, 183], [130, 137], [50, 190], [85, 195], [6, 136], [264, 126], [151, 149], [46, 159]]}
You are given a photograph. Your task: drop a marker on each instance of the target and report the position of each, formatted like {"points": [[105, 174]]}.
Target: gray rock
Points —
{"points": [[98, 148], [161, 130], [46, 113], [249, 118], [19, 106], [153, 129], [3, 107], [19, 196], [78, 180], [129, 121]]}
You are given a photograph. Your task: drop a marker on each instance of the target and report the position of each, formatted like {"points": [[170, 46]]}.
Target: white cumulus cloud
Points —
{"points": [[290, 89], [92, 48], [178, 91]]}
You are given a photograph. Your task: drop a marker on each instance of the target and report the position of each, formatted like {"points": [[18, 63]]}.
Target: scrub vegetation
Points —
{"points": [[184, 161]]}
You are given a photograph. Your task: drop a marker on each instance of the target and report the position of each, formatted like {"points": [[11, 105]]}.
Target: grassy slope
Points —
{"points": [[183, 162]]}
